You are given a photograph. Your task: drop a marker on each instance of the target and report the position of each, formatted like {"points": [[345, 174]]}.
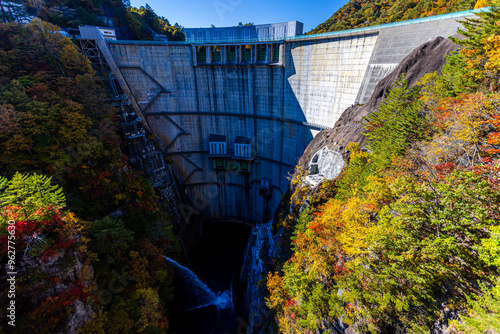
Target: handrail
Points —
{"points": [[390, 25], [305, 37]]}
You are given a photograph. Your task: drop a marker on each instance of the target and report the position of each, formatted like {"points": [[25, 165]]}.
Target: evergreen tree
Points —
{"points": [[481, 46], [395, 124], [31, 192], [110, 237]]}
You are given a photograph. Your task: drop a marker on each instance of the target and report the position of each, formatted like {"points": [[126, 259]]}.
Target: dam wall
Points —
{"points": [[395, 41], [277, 106]]}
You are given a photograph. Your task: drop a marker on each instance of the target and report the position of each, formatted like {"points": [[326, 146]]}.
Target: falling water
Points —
{"points": [[260, 248], [200, 294]]}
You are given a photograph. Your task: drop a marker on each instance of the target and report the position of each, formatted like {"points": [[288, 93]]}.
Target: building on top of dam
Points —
{"points": [[89, 32], [242, 34]]}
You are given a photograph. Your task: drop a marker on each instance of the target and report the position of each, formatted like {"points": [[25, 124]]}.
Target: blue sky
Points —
{"points": [[221, 13]]}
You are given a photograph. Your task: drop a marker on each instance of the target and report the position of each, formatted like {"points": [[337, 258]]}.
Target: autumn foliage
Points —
{"points": [[363, 13], [62, 174], [408, 239]]}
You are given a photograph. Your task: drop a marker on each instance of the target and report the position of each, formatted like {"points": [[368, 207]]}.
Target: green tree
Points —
{"points": [[483, 311], [424, 250], [480, 46], [31, 192], [109, 236]]}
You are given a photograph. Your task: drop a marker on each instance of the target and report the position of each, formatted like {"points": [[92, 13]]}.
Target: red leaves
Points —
{"points": [[315, 226], [25, 228], [444, 169], [65, 243], [493, 138], [4, 242], [12, 212], [47, 254], [38, 91], [48, 225], [65, 298], [339, 269], [289, 302], [104, 174], [486, 160]]}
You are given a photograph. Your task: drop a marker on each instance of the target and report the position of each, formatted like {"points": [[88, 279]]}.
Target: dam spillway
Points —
{"points": [[275, 103]]}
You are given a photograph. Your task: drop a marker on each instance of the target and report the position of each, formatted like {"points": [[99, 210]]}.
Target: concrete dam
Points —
{"points": [[233, 118]]}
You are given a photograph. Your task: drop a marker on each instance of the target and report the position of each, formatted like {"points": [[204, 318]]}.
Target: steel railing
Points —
{"points": [[305, 37]]}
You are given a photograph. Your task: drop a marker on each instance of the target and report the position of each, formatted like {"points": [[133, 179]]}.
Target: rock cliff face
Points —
{"points": [[427, 58], [52, 293]]}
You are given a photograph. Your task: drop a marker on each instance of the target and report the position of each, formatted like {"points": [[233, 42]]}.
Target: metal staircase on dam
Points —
{"points": [[143, 151], [146, 156]]}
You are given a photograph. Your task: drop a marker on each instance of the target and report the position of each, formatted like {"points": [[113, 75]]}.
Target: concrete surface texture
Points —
{"points": [[278, 106]]}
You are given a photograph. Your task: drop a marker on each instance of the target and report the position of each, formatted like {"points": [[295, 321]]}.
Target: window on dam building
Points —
{"points": [[239, 160], [217, 144], [275, 53], [244, 166], [242, 147], [215, 35], [241, 54], [261, 53], [218, 151], [247, 53]]}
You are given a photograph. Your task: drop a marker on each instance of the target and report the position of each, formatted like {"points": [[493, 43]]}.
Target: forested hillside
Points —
{"points": [[129, 22], [364, 13], [62, 175], [407, 238]]}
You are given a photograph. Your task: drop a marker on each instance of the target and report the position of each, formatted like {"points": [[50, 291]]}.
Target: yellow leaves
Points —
{"points": [[120, 197], [73, 61], [481, 4], [377, 189], [151, 310], [74, 123], [275, 287], [474, 62], [327, 219], [428, 93], [85, 273], [492, 47], [11, 124], [356, 227], [71, 229], [9, 121], [465, 121]]}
